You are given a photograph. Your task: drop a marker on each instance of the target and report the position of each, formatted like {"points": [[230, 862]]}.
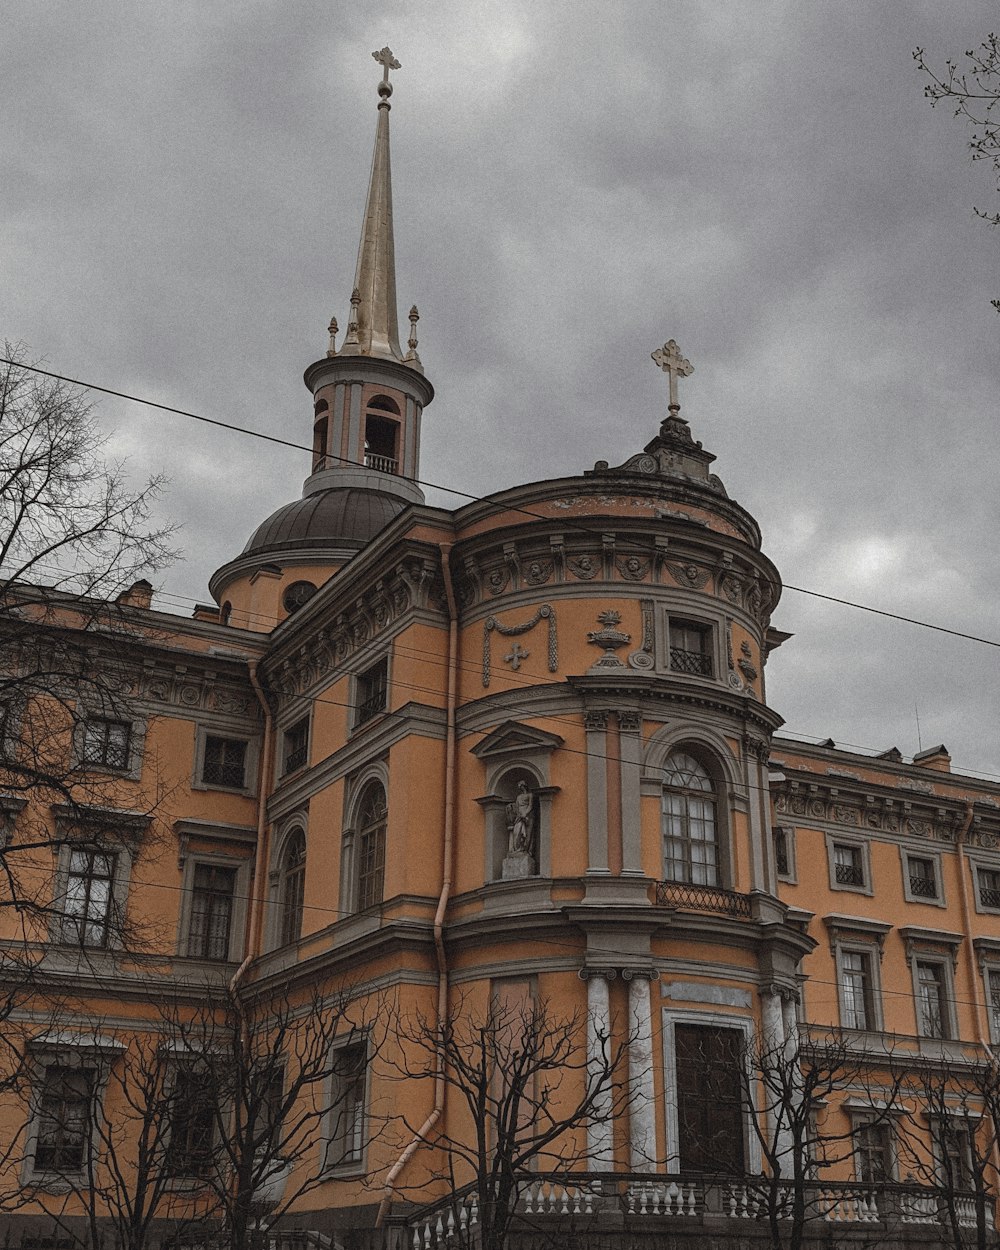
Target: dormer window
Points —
{"points": [[382, 434]]}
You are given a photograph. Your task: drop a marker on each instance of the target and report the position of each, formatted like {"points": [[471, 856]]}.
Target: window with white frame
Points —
{"points": [[292, 876], [86, 909], [371, 822], [210, 918], [107, 743], [690, 647], [346, 1142], [689, 822], [993, 992], [191, 1130], [783, 841], [874, 1156], [955, 1153], [63, 1118], [988, 891], [857, 988], [224, 762], [371, 692], [922, 877], [932, 1008], [295, 752]]}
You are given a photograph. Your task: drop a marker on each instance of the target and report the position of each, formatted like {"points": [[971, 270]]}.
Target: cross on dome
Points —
{"points": [[670, 360], [387, 61]]}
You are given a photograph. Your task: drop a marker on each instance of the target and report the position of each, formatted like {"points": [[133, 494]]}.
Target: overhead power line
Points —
{"points": [[452, 490]]}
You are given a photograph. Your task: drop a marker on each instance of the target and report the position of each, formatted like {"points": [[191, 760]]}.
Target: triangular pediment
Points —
{"points": [[513, 738]]}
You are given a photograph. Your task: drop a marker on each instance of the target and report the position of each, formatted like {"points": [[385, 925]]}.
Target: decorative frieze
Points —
{"points": [[877, 813]]}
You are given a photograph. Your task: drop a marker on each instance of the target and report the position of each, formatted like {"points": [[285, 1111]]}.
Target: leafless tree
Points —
{"points": [[522, 1091], [275, 1098], [950, 1143], [207, 1123], [76, 543], [791, 1089], [973, 89]]}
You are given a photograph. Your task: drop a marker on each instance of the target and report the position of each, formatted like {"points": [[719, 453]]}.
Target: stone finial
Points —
{"points": [[352, 325], [333, 328], [670, 360], [411, 356]]}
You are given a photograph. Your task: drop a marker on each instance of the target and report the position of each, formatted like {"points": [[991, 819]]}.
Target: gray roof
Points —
{"points": [[336, 518]]}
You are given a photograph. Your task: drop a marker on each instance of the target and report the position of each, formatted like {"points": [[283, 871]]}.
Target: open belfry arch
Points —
{"points": [[504, 773]]}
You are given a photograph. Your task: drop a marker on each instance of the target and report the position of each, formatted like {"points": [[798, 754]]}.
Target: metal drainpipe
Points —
{"points": [[260, 859], [446, 872]]}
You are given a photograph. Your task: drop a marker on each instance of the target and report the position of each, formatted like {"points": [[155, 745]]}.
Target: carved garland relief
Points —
{"points": [[517, 653]]}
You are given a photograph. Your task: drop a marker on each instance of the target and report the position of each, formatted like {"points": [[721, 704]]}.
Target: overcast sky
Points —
{"points": [[181, 194]]}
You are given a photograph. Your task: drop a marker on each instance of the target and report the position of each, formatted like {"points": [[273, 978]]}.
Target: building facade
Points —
{"points": [[416, 767]]}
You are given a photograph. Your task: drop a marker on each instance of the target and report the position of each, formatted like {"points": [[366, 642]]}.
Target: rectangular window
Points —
{"points": [[86, 904], [710, 1099], [225, 762], [192, 1123], [212, 894], [873, 1152], [107, 743], [347, 1106], [782, 852], [848, 864], [923, 878], [989, 887], [858, 998], [373, 692], [994, 990], [690, 648], [954, 1140], [296, 753], [932, 1016], [64, 1118]]}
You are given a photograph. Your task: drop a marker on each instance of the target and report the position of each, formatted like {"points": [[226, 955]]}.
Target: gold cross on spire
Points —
{"points": [[670, 360], [387, 61]]}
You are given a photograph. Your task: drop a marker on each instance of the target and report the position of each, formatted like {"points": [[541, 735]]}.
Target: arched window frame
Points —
{"points": [[384, 413], [291, 886], [712, 752], [689, 822], [363, 843]]}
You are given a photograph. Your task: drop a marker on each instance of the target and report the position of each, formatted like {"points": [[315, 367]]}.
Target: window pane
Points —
{"points": [[709, 1098], [211, 911], [63, 1118]]}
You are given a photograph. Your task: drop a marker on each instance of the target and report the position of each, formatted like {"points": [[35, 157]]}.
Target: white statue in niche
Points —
{"points": [[520, 858]]}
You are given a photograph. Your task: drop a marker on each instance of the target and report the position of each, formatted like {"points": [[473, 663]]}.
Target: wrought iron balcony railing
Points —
{"points": [[696, 662], [703, 898]]}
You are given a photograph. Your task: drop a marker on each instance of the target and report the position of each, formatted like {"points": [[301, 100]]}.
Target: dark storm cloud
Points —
{"points": [[574, 183]]}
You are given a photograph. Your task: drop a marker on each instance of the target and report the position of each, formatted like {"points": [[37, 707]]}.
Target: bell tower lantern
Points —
{"points": [[369, 395]]}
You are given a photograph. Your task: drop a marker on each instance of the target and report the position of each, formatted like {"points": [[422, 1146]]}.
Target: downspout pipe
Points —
{"points": [[442, 907], [251, 947]]}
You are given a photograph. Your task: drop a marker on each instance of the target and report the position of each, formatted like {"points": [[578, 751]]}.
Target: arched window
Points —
{"points": [[293, 879], [382, 435], [690, 827], [371, 845]]}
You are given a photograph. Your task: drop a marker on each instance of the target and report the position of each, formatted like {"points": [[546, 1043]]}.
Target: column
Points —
{"points": [[600, 1128], [778, 1089], [642, 1100], [596, 726]]}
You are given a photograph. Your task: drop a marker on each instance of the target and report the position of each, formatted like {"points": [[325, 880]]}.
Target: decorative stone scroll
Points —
{"points": [[644, 659], [547, 613]]}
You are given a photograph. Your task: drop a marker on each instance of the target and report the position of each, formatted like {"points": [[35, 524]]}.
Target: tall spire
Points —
{"points": [[374, 329]]}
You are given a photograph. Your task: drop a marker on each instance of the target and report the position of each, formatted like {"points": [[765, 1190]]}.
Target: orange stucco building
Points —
{"points": [[521, 750]]}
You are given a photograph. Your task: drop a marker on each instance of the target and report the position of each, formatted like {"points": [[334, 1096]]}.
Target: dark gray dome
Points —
{"points": [[344, 516]]}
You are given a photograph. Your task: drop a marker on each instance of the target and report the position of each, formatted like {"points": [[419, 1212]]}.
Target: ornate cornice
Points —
{"points": [[852, 803]]}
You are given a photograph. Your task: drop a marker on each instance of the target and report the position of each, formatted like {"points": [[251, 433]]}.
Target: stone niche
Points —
{"points": [[518, 801]]}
